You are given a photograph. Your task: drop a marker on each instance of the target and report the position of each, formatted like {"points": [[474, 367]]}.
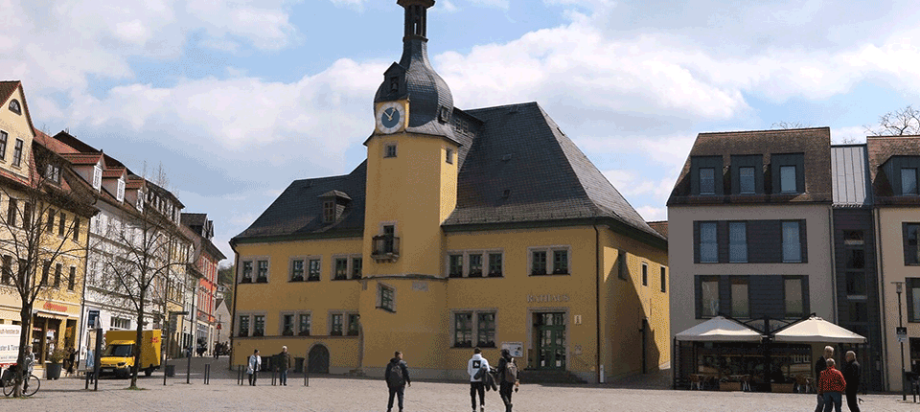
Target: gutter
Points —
{"points": [[597, 302], [834, 282]]}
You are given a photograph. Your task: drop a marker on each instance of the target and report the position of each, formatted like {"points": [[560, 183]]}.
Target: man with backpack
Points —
{"points": [[508, 378], [478, 369], [397, 377]]}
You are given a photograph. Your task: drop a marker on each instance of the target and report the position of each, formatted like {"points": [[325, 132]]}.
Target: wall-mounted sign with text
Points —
{"points": [[547, 298]]}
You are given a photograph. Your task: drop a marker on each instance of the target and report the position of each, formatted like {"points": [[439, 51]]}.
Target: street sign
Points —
{"points": [[902, 334]]}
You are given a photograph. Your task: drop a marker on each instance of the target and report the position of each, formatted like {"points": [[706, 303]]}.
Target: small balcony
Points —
{"points": [[386, 248]]}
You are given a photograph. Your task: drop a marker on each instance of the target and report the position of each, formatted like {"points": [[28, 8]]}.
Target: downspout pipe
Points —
{"points": [[881, 290], [597, 301]]}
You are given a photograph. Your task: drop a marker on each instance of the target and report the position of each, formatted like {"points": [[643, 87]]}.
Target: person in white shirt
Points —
{"points": [[478, 368], [255, 363]]}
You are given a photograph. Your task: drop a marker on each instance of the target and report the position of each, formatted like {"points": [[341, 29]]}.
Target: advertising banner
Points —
{"points": [[9, 344]]}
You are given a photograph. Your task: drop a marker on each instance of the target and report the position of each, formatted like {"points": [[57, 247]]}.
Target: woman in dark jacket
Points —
{"points": [[508, 380]]}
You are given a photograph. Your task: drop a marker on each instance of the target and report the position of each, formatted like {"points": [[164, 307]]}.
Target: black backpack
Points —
{"points": [[511, 372], [396, 379]]}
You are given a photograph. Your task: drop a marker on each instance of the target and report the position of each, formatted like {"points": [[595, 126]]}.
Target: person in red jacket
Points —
{"points": [[831, 386]]}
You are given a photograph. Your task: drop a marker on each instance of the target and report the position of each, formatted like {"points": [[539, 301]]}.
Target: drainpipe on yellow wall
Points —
{"points": [[597, 302]]}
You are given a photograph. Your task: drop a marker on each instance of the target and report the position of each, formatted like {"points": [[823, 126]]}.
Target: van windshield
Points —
{"points": [[119, 351]]}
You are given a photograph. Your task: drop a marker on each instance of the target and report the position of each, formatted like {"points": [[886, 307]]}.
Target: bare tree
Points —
{"points": [[789, 125], [138, 263], [35, 235], [901, 122]]}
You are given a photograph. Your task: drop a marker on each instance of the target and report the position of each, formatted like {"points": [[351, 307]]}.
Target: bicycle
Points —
{"points": [[32, 383]]}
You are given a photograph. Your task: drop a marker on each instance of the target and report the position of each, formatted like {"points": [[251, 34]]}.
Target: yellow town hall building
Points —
{"points": [[463, 228]]}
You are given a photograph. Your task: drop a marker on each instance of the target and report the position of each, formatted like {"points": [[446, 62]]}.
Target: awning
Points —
{"points": [[720, 329], [817, 330]]}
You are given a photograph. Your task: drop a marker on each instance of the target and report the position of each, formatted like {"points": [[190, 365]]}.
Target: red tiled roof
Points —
{"points": [[134, 184], [82, 158], [113, 173], [660, 227]]}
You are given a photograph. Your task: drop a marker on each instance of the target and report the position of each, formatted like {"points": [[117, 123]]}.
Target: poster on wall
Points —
{"points": [[9, 343], [516, 348]]}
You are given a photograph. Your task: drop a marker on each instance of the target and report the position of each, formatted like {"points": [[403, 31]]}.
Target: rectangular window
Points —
{"points": [[354, 325], [737, 241], [486, 330], [304, 325], [707, 181], [287, 325], [390, 151], [12, 213], [664, 280], [3, 138], [456, 266], [244, 326], [741, 307], [795, 306], [57, 275], [341, 269], [709, 303], [46, 271], [475, 266], [911, 251], [856, 283], [787, 179], [538, 265], [644, 274], [76, 229], [120, 192], [622, 267], [258, 325], [97, 180], [560, 262], [709, 243], [7, 270], [495, 265], [262, 276], [26, 216], [62, 223], [450, 156], [328, 211], [296, 270], [909, 181], [387, 299], [357, 267], [746, 180], [50, 222], [17, 153], [72, 279], [792, 244], [247, 272], [463, 330], [314, 268], [337, 327], [913, 298]]}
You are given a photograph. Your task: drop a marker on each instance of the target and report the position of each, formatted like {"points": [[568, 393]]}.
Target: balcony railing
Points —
{"points": [[386, 248]]}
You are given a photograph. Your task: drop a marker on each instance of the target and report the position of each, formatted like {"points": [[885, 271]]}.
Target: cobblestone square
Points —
{"points": [[335, 394]]}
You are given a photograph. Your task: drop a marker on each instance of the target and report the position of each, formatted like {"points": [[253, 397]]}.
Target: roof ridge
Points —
{"points": [[504, 106], [766, 131]]}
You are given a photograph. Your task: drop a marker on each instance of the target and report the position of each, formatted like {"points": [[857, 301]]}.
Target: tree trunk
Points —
{"points": [[138, 342], [25, 315]]}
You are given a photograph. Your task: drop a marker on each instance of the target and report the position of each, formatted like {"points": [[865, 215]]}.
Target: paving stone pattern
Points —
{"points": [[333, 394]]}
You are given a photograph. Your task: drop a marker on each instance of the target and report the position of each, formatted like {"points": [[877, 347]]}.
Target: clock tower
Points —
{"points": [[411, 167]]}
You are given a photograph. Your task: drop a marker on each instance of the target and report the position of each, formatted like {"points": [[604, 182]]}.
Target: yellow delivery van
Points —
{"points": [[118, 357]]}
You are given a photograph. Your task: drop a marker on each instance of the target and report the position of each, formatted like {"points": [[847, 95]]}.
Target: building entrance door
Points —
{"points": [[318, 360], [550, 329]]}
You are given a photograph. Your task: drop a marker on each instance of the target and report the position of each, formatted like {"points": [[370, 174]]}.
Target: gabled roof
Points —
{"points": [[7, 88], [113, 173], [82, 159], [516, 167], [814, 143], [881, 150], [850, 171]]}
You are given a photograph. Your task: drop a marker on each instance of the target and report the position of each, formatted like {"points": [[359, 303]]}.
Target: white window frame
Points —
{"points": [[484, 253], [97, 176], [294, 324], [550, 261], [120, 195], [379, 297]]}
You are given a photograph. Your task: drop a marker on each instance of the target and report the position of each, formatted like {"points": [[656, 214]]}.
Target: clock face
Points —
{"points": [[391, 117]]}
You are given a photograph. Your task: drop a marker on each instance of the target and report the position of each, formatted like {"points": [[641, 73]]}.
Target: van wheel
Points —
{"points": [[148, 372]]}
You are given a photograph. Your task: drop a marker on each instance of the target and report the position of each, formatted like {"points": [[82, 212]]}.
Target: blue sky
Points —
{"points": [[238, 98]]}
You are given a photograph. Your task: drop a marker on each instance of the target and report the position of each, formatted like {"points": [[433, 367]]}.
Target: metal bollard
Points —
{"points": [[207, 373], [274, 376], [239, 378], [306, 376]]}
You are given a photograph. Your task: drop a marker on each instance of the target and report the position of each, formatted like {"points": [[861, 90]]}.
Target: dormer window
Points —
{"points": [[787, 179], [909, 181], [707, 181], [120, 195], [394, 84], [53, 173], [14, 107], [97, 177], [328, 211]]}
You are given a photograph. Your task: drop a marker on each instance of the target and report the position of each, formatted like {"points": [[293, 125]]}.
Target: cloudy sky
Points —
{"points": [[237, 98]]}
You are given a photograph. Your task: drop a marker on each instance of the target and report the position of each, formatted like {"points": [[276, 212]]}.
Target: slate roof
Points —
{"points": [[517, 166], [881, 149], [194, 219], [815, 143], [850, 171]]}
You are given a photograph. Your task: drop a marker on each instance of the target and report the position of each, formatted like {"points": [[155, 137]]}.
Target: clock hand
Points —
{"points": [[390, 114]]}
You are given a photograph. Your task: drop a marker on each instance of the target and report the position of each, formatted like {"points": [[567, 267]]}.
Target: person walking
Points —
{"points": [[397, 378], [255, 363], [286, 362], [831, 386], [820, 366], [478, 369], [851, 376], [507, 377], [216, 350], [28, 362]]}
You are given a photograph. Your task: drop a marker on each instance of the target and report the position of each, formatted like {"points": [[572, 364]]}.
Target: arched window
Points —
{"points": [[14, 107]]}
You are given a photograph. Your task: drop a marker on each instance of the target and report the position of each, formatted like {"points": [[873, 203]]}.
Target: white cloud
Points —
{"points": [[357, 4], [653, 214], [632, 183], [501, 4]]}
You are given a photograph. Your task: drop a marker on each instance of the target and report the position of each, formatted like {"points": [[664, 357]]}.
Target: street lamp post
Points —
{"points": [[899, 286]]}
